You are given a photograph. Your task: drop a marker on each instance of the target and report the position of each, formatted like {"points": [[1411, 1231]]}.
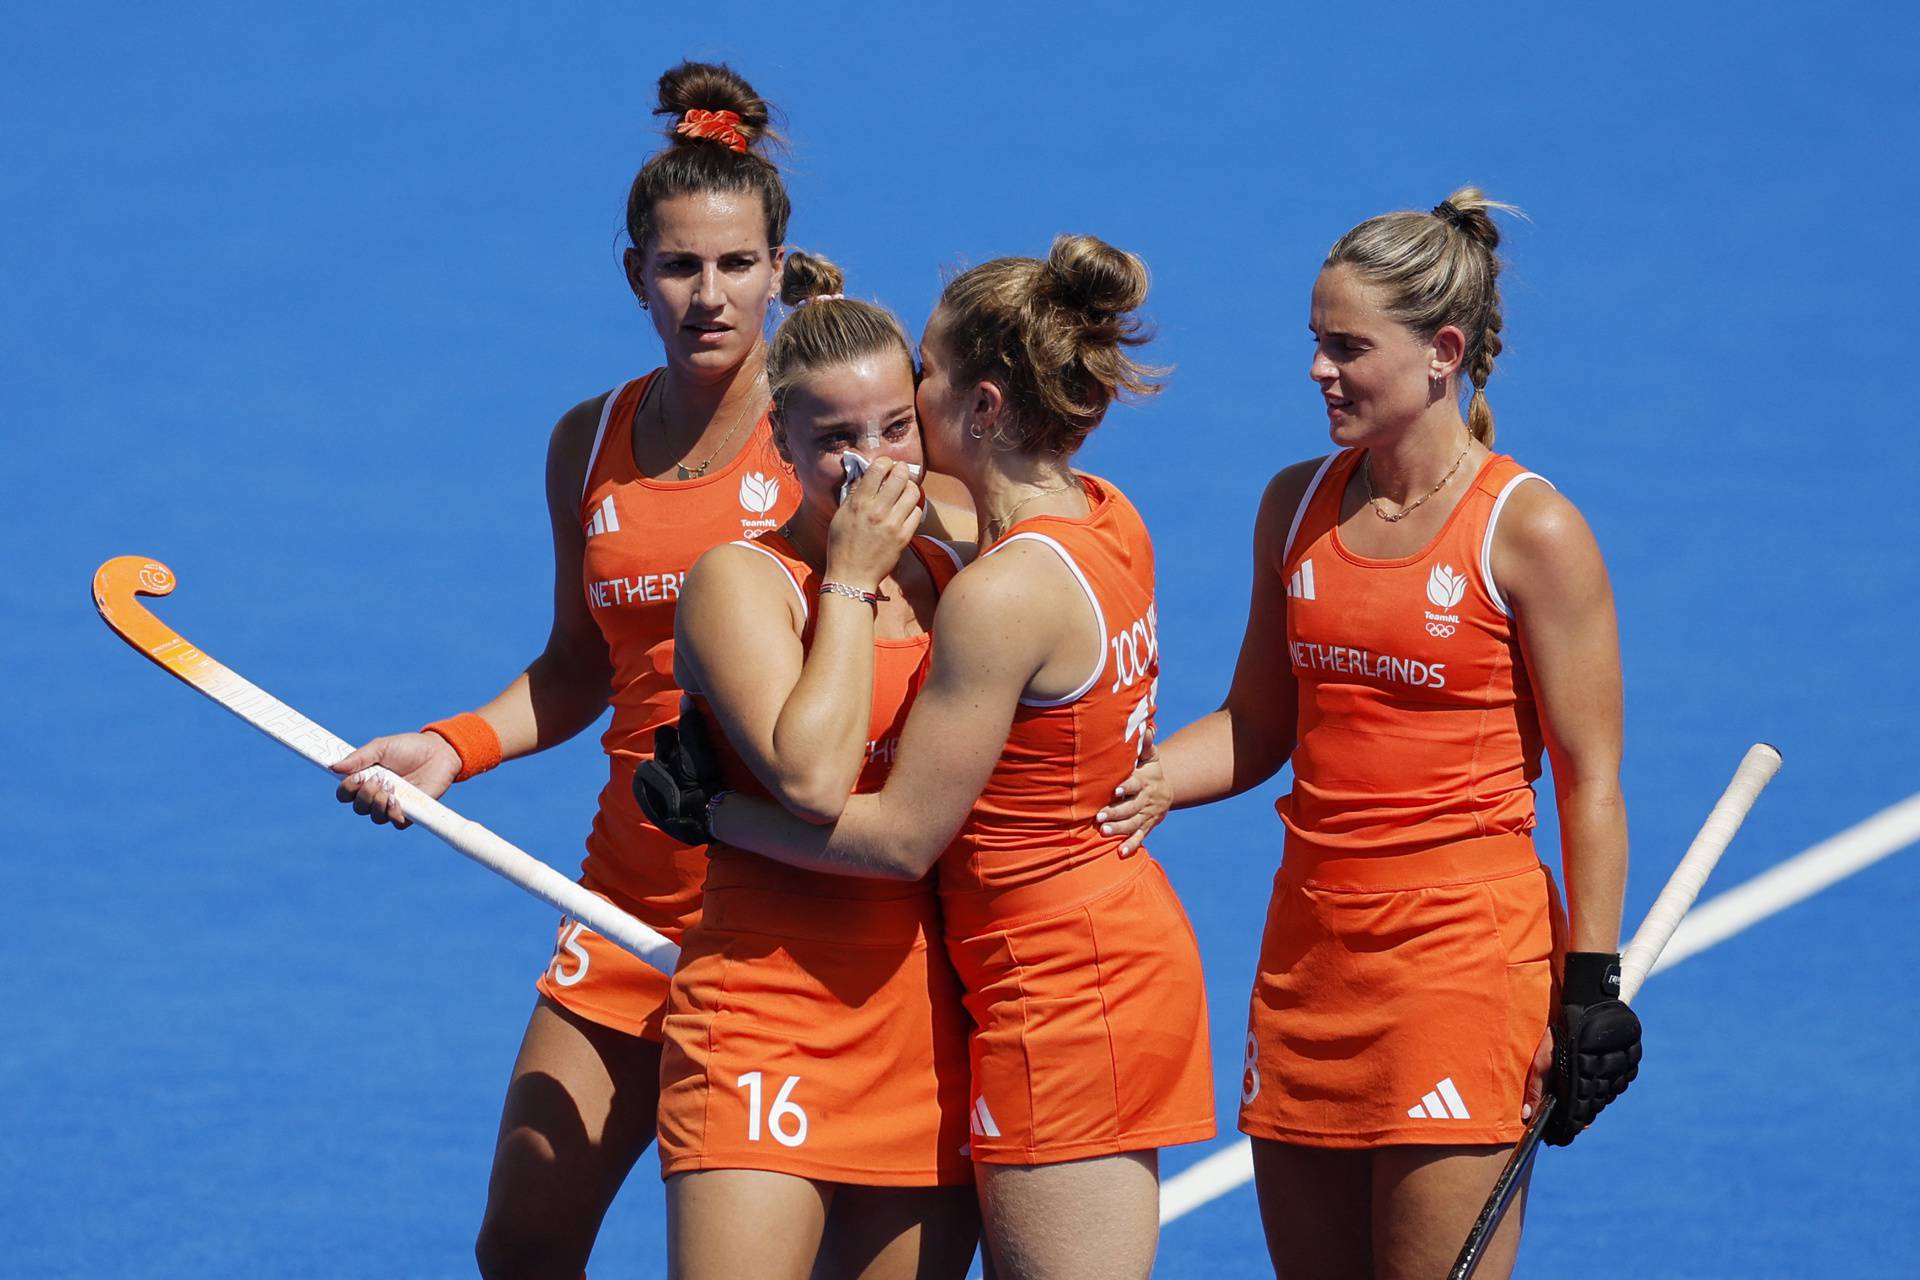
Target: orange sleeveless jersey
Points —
{"points": [[899, 669], [642, 535], [1064, 757], [815, 1025], [1405, 973], [1081, 971], [1417, 727]]}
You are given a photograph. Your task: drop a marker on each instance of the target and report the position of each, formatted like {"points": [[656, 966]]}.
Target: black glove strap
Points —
{"points": [[1590, 977]]}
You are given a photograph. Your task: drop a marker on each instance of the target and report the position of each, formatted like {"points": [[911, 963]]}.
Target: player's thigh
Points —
{"points": [[899, 1233], [579, 1111], [1425, 1201], [1097, 1218], [727, 1223], [1314, 1208]]}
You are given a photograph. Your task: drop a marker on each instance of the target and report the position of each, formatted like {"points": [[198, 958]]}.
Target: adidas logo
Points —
{"points": [[605, 520], [1300, 585], [981, 1124], [1442, 1102]]}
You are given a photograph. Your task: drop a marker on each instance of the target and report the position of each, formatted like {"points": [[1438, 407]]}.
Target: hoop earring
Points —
{"points": [[977, 431]]}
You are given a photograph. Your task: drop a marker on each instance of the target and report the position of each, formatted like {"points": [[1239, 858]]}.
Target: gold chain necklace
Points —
{"points": [[1366, 473], [1007, 521], [681, 469]]}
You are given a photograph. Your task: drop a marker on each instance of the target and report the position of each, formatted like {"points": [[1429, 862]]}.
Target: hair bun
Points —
{"points": [[713, 86], [807, 276], [1469, 210], [1091, 275]]}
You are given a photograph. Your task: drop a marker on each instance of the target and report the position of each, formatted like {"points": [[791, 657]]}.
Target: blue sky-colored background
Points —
{"points": [[290, 297]]}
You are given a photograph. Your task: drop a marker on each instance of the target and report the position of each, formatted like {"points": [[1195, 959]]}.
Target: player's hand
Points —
{"points": [[1537, 1076], [1596, 1050], [674, 787], [427, 760], [873, 526], [1140, 803]]}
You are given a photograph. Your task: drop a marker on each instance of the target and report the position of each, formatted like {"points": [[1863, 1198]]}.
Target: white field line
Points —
{"points": [[1716, 920]]}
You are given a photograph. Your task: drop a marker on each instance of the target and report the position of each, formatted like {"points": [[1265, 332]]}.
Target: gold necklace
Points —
{"points": [[684, 472], [1007, 521], [1366, 473]]}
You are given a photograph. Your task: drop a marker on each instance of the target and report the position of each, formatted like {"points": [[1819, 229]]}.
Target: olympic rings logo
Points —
{"points": [[1440, 629]]}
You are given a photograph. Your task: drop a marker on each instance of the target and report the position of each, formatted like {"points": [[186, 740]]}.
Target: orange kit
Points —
{"points": [[1406, 973], [642, 536], [815, 1026], [1081, 971]]}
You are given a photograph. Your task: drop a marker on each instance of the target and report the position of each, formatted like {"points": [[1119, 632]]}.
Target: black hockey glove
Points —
{"points": [[674, 787], [1596, 1044]]}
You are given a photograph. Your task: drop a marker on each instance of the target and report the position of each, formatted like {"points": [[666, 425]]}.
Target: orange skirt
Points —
{"points": [[602, 981], [818, 1037], [1091, 1015], [1400, 999]]}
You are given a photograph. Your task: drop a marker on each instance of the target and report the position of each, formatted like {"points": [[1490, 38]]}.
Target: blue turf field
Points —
{"points": [[291, 301]]}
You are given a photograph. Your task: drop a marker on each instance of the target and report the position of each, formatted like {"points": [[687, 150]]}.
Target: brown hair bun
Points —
{"points": [[713, 86], [807, 276], [1053, 336], [706, 159], [830, 331]]}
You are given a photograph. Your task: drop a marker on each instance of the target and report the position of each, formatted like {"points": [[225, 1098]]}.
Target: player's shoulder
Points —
{"points": [[1543, 545], [1001, 615], [1283, 496], [740, 565], [1016, 580], [1538, 519], [570, 444]]}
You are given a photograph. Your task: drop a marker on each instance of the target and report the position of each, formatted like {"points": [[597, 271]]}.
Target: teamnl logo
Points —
{"points": [[1444, 590], [759, 495]]}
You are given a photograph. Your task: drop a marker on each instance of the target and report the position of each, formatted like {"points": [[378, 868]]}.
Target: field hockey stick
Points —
{"points": [[1636, 962], [116, 586]]}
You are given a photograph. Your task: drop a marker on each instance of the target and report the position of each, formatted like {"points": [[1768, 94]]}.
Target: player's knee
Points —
{"points": [[517, 1245]]}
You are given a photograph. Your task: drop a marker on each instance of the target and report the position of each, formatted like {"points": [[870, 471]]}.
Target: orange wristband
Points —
{"points": [[473, 740]]}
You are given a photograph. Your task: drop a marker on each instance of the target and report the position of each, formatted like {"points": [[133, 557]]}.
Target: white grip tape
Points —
{"points": [[1683, 886], [295, 731], [536, 877]]}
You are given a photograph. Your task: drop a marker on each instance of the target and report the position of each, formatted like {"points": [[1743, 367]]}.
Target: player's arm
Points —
{"points": [[1549, 568], [997, 627], [1246, 741], [561, 692], [797, 719], [797, 716]]}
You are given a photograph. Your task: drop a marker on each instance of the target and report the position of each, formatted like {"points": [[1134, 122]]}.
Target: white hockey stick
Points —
{"points": [[1683, 886], [119, 581], [1756, 770]]}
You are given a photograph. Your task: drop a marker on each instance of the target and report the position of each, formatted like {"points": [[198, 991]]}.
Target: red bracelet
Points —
{"points": [[472, 739]]}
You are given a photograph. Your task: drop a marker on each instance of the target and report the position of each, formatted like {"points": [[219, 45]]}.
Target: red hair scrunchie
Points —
{"points": [[722, 127]]}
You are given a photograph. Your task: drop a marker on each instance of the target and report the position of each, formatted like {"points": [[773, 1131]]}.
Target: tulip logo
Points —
{"points": [[758, 492], [1445, 587]]}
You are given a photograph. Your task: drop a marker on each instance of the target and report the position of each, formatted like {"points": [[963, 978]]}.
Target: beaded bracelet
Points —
{"points": [[853, 593]]}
